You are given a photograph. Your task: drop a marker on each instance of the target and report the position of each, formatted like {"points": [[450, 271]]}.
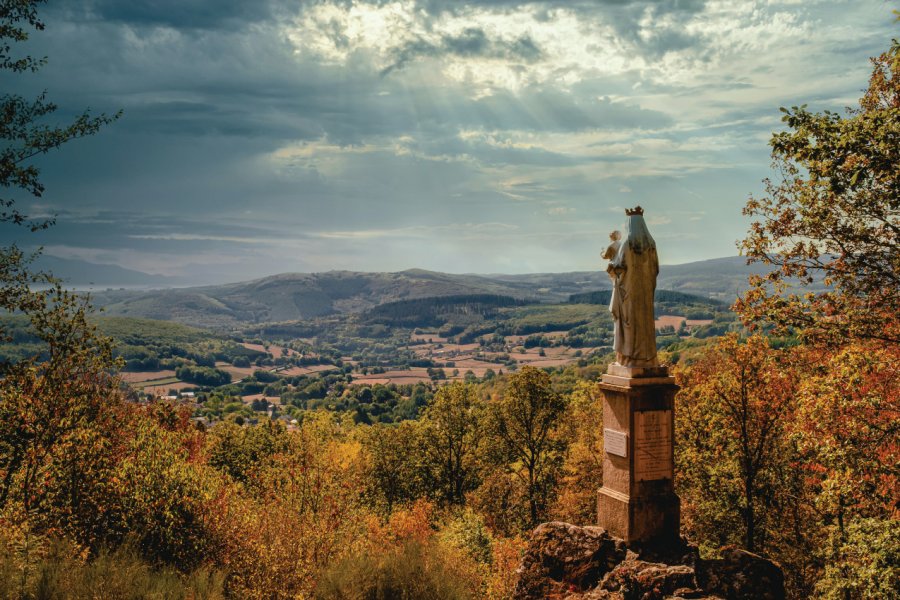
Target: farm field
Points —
{"points": [[144, 376], [236, 373], [396, 376], [160, 390], [382, 364], [676, 321]]}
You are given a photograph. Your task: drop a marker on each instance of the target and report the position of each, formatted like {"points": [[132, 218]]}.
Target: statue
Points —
{"points": [[611, 251], [634, 269]]}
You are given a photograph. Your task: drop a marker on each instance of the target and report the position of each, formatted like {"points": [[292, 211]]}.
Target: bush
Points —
{"points": [[468, 533], [866, 564], [54, 570], [265, 376], [161, 498], [412, 572]]}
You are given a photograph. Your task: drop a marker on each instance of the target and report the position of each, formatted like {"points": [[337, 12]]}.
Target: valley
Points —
{"points": [[374, 345]]}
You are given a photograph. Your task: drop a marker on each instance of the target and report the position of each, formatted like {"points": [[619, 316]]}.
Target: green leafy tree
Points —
{"points": [[241, 451], [451, 433], [394, 469], [524, 421], [55, 404], [834, 214], [864, 563]]}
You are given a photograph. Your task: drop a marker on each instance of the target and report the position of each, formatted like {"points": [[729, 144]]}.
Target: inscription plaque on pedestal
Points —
{"points": [[653, 445], [615, 442]]}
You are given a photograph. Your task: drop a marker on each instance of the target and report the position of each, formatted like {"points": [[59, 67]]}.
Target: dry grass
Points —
{"points": [[669, 320], [142, 376], [163, 390]]}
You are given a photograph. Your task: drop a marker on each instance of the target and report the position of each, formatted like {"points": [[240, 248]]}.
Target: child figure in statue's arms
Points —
{"points": [[612, 250]]}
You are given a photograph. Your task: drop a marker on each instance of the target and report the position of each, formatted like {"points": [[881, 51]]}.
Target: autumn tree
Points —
{"points": [[832, 219], [582, 471], [848, 433], [733, 408], [524, 421], [833, 216]]}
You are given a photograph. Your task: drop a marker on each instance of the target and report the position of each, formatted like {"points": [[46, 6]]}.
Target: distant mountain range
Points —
{"points": [[82, 274], [294, 296]]}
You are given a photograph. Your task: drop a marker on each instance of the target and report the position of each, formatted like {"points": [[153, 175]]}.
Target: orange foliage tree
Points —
{"points": [[733, 409]]}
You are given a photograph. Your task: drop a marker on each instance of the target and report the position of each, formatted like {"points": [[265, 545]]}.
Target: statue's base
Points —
{"points": [[637, 372], [637, 501], [653, 520]]}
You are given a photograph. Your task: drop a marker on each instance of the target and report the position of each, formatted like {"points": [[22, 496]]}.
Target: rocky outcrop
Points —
{"points": [[567, 562], [563, 557], [741, 575]]}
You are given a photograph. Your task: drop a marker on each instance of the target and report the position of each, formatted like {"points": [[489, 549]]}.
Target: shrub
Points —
{"points": [[415, 571], [468, 532], [866, 564], [53, 569]]}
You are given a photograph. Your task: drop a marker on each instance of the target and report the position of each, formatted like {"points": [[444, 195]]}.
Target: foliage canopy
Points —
{"points": [[834, 213]]}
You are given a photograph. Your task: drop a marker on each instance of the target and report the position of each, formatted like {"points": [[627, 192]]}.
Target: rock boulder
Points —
{"points": [[567, 562]]}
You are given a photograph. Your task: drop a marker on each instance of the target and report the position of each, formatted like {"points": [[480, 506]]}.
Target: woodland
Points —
{"points": [[788, 449]]}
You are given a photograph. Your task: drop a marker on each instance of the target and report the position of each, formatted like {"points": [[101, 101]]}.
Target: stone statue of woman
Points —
{"points": [[635, 268]]}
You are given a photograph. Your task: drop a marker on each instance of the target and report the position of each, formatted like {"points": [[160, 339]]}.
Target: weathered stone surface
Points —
{"points": [[741, 575], [596, 594], [563, 559], [639, 580], [566, 562]]}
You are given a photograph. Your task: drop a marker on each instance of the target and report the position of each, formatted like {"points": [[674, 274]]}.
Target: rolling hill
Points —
{"points": [[293, 296]]}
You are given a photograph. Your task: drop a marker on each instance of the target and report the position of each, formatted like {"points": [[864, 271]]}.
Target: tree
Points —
{"points": [[46, 399], [733, 407], [582, 472], [833, 214], [55, 405], [23, 129], [394, 472], [524, 421], [240, 451], [451, 432]]}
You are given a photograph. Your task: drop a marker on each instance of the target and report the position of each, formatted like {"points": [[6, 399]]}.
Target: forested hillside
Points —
{"points": [[290, 297]]}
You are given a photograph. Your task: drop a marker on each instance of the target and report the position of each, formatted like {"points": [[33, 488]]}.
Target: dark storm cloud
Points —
{"points": [[470, 43], [187, 14], [438, 6]]}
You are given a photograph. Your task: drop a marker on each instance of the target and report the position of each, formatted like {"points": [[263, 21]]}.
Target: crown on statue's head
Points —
{"points": [[637, 210]]}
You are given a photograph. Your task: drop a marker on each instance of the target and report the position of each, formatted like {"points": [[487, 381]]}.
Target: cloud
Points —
{"points": [[557, 211], [471, 42], [188, 14], [294, 134]]}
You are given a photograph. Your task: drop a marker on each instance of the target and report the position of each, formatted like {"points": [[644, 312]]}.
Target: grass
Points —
{"points": [[57, 573], [413, 572]]}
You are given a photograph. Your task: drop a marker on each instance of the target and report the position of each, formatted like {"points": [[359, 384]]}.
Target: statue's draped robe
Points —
{"points": [[632, 305]]}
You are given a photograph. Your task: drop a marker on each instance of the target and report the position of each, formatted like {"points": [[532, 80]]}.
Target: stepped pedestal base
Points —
{"points": [[637, 501]]}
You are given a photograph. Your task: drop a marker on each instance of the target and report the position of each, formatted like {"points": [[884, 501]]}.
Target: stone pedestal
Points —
{"points": [[637, 501]]}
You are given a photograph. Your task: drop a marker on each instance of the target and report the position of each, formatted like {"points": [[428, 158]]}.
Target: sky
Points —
{"points": [[490, 136]]}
